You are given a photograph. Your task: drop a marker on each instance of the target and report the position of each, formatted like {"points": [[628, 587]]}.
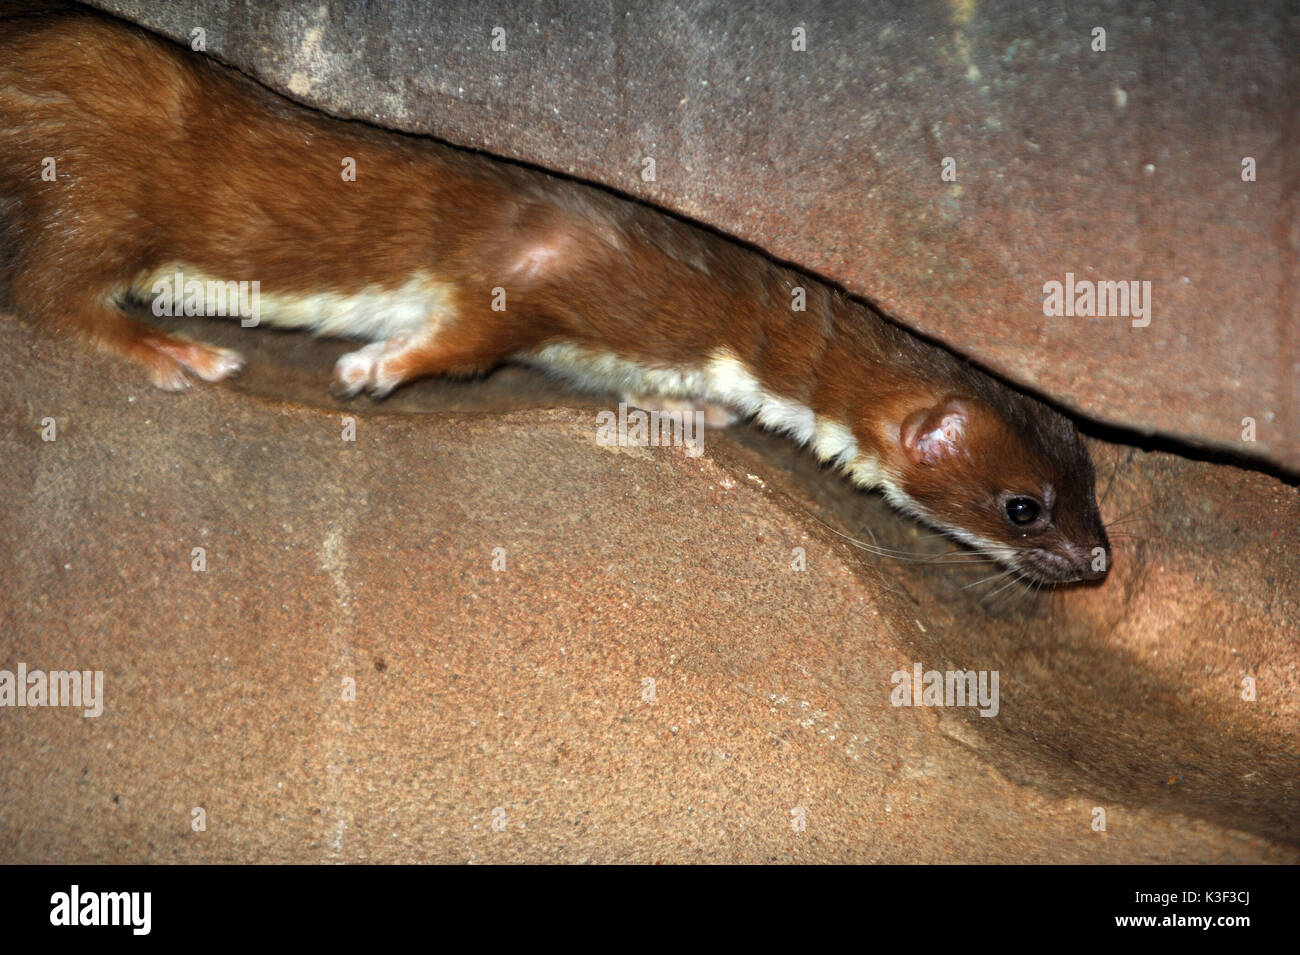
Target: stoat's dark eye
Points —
{"points": [[1022, 510]]}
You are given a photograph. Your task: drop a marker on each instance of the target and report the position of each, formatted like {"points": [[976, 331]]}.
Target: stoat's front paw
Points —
{"points": [[367, 369]]}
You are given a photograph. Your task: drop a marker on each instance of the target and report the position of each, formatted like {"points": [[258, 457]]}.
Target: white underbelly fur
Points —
{"points": [[420, 305], [722, 379]]}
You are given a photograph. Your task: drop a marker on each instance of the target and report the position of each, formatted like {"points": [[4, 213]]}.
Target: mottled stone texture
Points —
{"points": [[644, 675], [1117, 165]]}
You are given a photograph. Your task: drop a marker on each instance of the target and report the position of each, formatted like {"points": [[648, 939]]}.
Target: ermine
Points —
{"points": [[126, 159]]}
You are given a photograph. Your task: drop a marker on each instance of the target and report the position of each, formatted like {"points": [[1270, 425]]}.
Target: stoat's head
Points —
{"points": [[1007, 475]]}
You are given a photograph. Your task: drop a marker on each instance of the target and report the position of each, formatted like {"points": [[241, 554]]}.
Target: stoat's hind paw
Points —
{"points": [[715, 416], [168, 359]]}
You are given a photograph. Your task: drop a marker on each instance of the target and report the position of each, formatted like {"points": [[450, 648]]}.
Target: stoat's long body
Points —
{"points": [[126, 160]]}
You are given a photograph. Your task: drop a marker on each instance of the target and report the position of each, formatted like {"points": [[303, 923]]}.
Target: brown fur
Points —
{"points": [[165, 156]]}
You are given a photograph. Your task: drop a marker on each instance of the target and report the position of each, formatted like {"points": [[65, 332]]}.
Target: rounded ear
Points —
{"points": [[933, 435]]}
